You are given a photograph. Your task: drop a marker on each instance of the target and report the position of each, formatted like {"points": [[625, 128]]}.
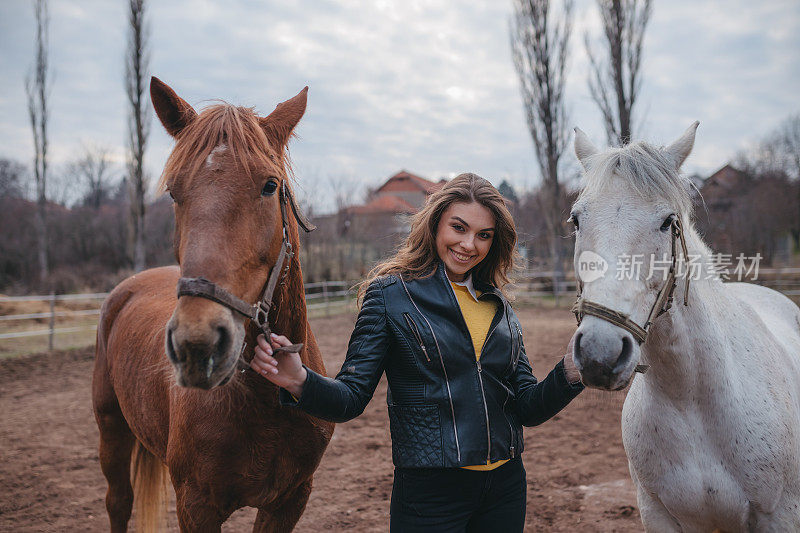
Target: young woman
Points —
{"points": [[436, 318]]}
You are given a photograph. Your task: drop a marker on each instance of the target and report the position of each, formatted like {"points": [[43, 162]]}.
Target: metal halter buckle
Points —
{"points": [[261, 315]]}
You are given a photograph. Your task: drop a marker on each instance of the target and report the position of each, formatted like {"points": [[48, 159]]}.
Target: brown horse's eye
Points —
{"points": [[269, 188], [170, 195]]}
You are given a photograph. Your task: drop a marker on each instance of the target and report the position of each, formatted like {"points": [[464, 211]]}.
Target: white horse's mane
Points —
{"points": [[649, 170]]}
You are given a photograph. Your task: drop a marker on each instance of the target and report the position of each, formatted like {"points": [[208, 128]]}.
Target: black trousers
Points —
{"points": [[458, 500]]}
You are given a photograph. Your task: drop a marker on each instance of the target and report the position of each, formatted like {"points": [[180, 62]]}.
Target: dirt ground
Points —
{"points": [[50, 478]]}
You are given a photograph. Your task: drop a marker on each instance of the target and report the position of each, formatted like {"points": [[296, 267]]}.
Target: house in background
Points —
{"points": [[722, 187], [409, 187], [347, 244], [743, 213], [387, 210], [719, 194]]}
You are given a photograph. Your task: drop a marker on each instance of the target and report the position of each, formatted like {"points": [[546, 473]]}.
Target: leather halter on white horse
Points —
{"points": [[662, 304]]}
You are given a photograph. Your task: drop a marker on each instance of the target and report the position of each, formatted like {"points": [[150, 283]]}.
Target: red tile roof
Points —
{"points": [[405, 181], [383, 204], [727, 177]]}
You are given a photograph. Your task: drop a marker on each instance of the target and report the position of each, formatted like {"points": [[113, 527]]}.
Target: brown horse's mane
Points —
{"points": [[237, 127]]}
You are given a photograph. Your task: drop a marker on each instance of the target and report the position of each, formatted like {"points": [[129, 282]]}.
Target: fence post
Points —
{"points": [[52, 321], [556, 288], [325, 298]]}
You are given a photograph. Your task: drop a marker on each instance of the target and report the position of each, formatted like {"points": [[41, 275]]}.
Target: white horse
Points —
{"points": [[712, 428]]}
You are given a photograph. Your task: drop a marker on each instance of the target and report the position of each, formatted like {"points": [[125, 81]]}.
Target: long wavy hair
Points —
{"points": [[417, 257]]}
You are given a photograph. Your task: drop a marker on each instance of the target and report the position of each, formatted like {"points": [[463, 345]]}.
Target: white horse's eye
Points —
{"points": [[667, 223], [574, 219]]}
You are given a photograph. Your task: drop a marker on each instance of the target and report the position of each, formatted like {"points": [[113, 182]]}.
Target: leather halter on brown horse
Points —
{"points": [[662, 304], [258, 312]]}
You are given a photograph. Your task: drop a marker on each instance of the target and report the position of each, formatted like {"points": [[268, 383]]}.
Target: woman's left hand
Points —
{"points": [[570, 370]]}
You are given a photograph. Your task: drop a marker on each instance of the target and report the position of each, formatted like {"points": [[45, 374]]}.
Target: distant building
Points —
{"points": [[413, 190], [722, 187], [388, 207], [747, 214]]}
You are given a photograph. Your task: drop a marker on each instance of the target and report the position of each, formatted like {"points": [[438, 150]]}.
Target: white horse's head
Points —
{"points": [[623, 227]]}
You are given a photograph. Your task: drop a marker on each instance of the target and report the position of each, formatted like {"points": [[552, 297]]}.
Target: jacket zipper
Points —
{"points": [[483, 394], [510, 427], [485, 412], [416, 334], [519, 344], [444, 370]]}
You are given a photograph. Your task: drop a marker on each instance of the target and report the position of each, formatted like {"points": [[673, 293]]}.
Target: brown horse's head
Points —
{"points": [[224, 175]]}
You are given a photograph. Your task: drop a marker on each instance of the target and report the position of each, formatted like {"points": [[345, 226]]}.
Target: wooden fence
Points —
{"points": [[327, 296], [335, 296], [537, 285]]}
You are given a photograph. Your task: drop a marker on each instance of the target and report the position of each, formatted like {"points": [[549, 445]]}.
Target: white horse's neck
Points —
{"points": [[677, 348]]}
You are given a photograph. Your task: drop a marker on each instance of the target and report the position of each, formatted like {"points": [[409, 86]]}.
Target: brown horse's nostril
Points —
{"points": [[223, 341], [172, 352]]}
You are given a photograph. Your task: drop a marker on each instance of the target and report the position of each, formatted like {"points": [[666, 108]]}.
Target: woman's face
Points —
{"points": [[463, 237]]}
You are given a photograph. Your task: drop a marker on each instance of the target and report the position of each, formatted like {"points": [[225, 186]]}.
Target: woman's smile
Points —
{"points": [[463, 258]]}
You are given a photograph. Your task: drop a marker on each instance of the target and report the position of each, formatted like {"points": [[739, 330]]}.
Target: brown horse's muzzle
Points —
{"points": [[202, 342]]}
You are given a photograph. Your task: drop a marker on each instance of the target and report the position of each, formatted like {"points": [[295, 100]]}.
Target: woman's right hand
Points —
{"points": [[284, 369]]}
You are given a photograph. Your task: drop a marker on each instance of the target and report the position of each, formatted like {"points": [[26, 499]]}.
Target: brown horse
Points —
{"points": [[221, 433]]}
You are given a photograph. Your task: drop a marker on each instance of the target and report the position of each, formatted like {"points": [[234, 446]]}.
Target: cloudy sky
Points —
{"points": [[426, 86]]}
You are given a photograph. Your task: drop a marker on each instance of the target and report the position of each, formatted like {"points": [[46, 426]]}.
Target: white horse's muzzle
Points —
{"points": [[606, 355]]}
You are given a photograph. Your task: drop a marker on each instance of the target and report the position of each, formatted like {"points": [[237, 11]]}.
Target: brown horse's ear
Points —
{"points": [[172, 110], [280, 123]]}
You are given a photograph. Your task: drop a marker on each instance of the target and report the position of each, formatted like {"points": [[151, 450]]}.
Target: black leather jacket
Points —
{"points": [[445, 408]]}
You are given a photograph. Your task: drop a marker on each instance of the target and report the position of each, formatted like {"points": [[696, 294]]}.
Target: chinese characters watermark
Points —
{"points": [[723, 267]]}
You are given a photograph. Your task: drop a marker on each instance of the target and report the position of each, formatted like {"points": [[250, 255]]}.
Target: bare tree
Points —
{"points": [[614, 80], [343, 192], [789, 138], [507, 191], [93, 170], [777, 155], [540, 47], [136, 66], [789, 133], [37, 87], [11, 176]]}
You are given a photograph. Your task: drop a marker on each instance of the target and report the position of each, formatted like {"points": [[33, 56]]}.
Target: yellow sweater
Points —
{"points": [[478, 316]]}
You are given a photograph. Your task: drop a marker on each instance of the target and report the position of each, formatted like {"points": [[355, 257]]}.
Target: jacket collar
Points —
{"points": [[485, 288]]}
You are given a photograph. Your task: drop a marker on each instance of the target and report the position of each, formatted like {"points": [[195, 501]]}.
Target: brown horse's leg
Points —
{"points": [[116, 445], [283, 518]]}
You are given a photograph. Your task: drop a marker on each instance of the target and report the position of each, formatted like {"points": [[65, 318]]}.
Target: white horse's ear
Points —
{"points": [[584, 148], [680, 149]]}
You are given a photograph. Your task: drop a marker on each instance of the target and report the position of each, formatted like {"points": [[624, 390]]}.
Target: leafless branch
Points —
{"points": [[12, 175], [137, 61], [37, 88], [93, 170], [540, 49], [615, 75]]}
